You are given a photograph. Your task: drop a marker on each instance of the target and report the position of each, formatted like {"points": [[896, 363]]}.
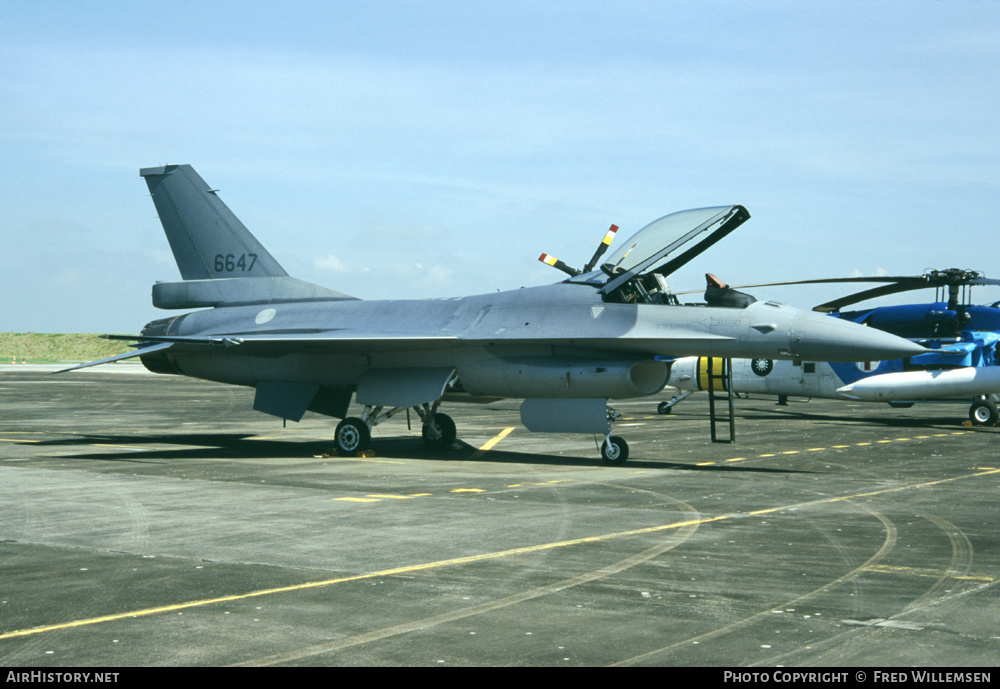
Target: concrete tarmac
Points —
{"points": [[154, 520]]}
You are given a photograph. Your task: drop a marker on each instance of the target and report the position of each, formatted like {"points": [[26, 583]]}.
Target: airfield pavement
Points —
{"points": [[158, 521]]}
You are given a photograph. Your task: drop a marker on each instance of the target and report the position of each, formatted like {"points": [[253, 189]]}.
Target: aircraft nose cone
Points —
{"points": [[820, 337]]}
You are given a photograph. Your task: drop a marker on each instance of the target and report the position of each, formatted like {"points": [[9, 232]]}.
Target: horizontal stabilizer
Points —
{"points": [[195, 294], [121, 357], [275, 345]]}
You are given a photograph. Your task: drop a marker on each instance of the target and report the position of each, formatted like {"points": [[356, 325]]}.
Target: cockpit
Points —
{"points": [[636, 272]]}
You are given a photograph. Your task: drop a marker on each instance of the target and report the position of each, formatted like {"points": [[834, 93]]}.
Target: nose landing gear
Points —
{"points": [[614, 451]]}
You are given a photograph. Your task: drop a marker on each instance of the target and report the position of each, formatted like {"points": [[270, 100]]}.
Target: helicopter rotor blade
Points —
{"points": [[865, 295], [953, 278], [823, 281], [910, 280]]}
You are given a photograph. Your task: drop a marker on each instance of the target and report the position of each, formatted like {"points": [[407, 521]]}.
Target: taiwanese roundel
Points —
{"points": [[762, 366]]}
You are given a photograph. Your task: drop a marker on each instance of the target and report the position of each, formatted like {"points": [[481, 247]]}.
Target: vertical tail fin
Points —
{"points": [[208, 241], [221, 263]]}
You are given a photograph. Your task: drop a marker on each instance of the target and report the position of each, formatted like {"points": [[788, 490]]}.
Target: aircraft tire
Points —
{"points": [[442, 433], [352, 436], [664, 408], [983, 413], [614, 451]]}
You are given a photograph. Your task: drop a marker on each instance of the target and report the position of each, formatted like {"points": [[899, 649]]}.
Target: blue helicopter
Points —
{"points": [[961, 362]]}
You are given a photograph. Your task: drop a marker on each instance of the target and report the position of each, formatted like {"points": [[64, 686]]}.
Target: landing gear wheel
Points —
{"points": [[441, 432], [664, 407], [983, 413], [614, 451], [352, 436]]}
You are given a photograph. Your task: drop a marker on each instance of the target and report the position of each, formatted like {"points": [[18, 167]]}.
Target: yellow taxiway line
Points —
{"points": [[492, 442], [482, 557]]}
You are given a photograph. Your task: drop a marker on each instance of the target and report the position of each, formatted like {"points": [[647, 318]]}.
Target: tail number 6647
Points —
{"points": [[230, 263]]}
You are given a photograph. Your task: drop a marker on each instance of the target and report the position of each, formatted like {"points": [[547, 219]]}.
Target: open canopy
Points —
{"points": [[656, 249]]}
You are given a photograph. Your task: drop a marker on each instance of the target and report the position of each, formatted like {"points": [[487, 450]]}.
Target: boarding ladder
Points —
{"points": [[719, 377]]}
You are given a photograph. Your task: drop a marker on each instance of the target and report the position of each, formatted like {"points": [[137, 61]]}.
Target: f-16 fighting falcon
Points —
{"points": [[608, 332]]}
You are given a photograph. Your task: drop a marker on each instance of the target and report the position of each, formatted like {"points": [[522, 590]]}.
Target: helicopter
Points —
{"points": [[961, 362]]}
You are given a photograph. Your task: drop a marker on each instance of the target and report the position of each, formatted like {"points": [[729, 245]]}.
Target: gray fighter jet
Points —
{"points": [[564, 348]]}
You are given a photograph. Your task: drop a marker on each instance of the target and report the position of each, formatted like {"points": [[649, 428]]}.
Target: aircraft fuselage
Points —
{"points": [[552, 341]]}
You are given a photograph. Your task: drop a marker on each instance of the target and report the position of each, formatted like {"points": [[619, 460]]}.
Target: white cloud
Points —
{"points": [[331, 264]]}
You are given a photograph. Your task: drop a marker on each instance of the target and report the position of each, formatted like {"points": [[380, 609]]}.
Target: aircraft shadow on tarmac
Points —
{"points": [[855, 419], [188, 446], [236, 446], [873, 417]]}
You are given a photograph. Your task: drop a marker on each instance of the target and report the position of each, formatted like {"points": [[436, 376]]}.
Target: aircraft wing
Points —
{"points": [[275, 345]]}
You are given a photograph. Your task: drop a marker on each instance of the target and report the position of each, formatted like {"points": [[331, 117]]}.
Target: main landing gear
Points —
{"points": [[354, 434]]}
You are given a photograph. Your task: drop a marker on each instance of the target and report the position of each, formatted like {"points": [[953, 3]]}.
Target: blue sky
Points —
{"points": [[433, 149]]}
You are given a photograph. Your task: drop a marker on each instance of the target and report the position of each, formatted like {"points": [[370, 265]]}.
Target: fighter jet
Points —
{"points": [[565, 348]]}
